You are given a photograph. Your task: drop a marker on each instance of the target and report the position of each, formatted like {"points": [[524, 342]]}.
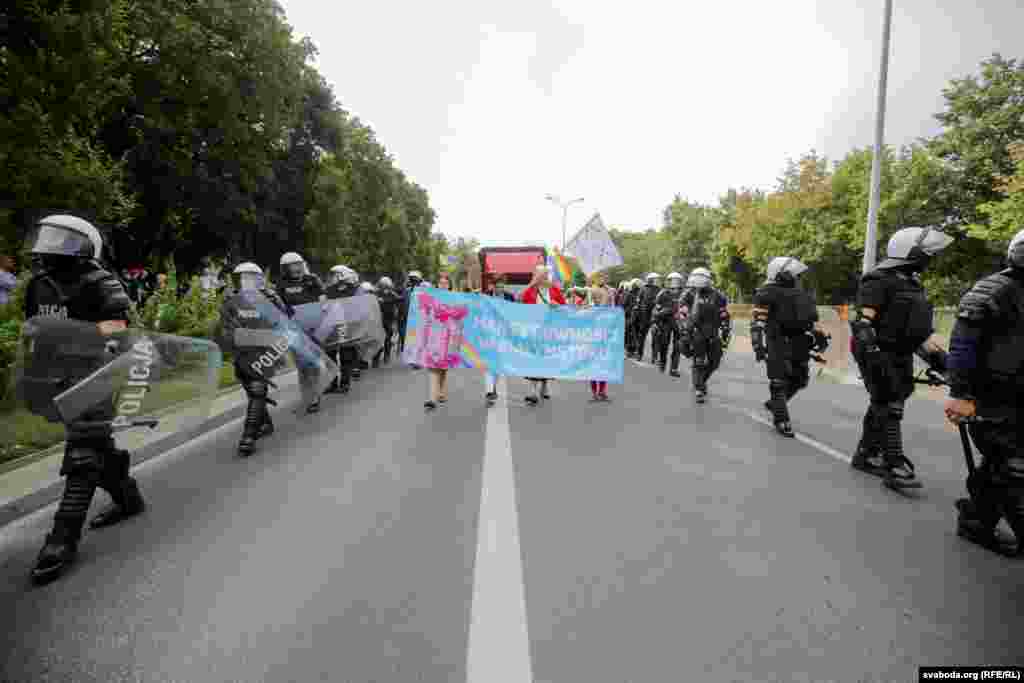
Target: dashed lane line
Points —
{"points": [[806, 440]]}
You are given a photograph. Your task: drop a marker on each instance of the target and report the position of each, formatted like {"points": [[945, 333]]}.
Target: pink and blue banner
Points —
{"points": [[473, 331]]}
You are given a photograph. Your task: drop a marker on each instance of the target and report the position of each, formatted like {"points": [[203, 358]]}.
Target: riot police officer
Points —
{"points": [[412, 281], [783, 332], [986, 376], [629, 306], [893, 321], [343, 283], [644, 311], [706, 326], [240, 311], [300, 287], [666, 305], [69, 283], [390, 303]]}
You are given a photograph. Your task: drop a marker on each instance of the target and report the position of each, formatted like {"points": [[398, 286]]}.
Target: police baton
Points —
{"points": [[965, 438]]}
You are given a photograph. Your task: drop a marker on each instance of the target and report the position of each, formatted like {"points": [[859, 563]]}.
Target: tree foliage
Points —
{"points": [[202, 130], [968, 179]]}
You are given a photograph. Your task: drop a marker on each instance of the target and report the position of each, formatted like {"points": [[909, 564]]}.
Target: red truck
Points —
{"points": [[515, 263]]}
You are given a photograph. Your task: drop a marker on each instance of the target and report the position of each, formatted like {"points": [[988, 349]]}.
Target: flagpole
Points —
{"points": [[565, 211]]}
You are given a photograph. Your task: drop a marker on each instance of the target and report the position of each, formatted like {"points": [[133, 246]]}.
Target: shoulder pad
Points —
{"points": [[983, 298]]}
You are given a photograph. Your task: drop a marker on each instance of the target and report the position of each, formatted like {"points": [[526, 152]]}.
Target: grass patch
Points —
{"points": [[22, 433]]}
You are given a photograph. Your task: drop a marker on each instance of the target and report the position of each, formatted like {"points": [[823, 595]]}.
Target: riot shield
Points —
{"points": [[69, 376], [355, 321], [277, 341]]}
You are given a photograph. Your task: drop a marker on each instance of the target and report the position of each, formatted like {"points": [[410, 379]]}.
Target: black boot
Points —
{"points": [[785, 428], [971, 527], [778, 407], [58, 552], [268, 425], [869, 463], [127, 502], [899, 470], [254, 413]]}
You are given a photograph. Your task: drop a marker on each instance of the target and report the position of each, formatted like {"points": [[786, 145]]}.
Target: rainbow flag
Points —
{"points": [[561, 268]]}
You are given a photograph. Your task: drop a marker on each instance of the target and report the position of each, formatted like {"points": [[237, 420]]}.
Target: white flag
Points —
{"points": [[593, 248]]}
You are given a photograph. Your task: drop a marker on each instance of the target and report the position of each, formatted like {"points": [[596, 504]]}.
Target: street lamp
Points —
{"points": [[871, 236], [565, 211]]}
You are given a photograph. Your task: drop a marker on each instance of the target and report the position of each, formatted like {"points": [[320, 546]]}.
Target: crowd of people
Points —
{"points": [[984, 367]]}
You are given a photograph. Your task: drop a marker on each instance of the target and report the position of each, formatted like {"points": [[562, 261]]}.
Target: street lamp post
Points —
{"points": [[565, 211], [871, 237]]}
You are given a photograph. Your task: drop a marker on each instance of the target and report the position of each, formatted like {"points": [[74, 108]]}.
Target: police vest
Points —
{"points": [[1003, 348], [792, 312], [305, 290], [906, 319]]}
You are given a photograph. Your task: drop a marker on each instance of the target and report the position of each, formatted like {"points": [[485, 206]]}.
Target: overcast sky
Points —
{"points": [[492, 104]]}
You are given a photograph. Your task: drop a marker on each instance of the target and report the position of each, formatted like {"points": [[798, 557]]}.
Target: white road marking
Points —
{"points": [[813, 443], [499, 644]]}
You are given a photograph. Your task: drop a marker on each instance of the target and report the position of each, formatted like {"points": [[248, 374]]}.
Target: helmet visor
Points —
{"points": [[51, 239], [294, 270]]}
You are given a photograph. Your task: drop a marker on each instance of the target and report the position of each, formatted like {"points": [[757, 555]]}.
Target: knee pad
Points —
{"points": [[82, 460], [256, 389]]}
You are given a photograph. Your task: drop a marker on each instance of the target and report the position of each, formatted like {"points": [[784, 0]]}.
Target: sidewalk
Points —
{"points": [[34, 482]]}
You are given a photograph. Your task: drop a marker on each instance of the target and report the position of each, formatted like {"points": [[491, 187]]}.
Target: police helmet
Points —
{"points": [[293, 265], [344, 275], [1015, 252], [386, 283], [652, 278], [674, 280], [784, 270], [64, 235], [367, 287], [415, 276], [914, 247], [248, 276], [700, 278]]}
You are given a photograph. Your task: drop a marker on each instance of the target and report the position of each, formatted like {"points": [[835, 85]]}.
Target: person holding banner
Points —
{"points": [[541, 291], [497, 289], [599, 295], [439, 374]]}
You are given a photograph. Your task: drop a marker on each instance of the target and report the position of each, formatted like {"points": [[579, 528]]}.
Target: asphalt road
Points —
{"points": [[658, 541]]}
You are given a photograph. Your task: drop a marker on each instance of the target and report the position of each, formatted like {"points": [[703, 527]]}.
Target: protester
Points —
{"points": [[541, 291], [439, 375], [599, 295], [496, 288], [8, 281]]}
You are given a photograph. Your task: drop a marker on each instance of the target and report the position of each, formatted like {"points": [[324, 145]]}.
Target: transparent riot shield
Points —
{"points": [[355, 321], [69, 377], [273, 342]]}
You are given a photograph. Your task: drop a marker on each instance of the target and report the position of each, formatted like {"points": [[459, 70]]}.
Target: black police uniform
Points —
{"points": [[629, 308], [85, 292], [642, 317], [707, 315], [902, 324], [241, 312], [347, 357], [986, 365], [791, 314], [666, 305], [306, 289], [403, 311], [390, 307]]}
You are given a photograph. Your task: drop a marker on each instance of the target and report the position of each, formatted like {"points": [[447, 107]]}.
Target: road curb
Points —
{"points": [[50, 492]]}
